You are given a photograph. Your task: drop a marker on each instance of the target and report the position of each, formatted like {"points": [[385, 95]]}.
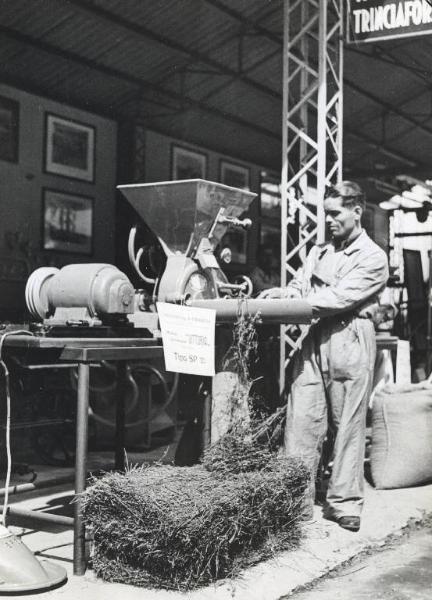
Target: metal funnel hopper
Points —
{"points": [[181, 213]]}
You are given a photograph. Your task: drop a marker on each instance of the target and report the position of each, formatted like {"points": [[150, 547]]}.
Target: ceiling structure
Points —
{"points": [[210, 72]]}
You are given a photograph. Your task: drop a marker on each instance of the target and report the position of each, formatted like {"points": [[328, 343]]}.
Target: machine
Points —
{"points": [[175, 253], [187, 220]]}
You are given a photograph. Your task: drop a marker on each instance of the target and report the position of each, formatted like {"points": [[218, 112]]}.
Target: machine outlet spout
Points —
{"points": [[282, 311]]}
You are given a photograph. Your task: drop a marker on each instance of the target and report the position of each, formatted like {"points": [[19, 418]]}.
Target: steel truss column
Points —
{"points": [[311, 129]]}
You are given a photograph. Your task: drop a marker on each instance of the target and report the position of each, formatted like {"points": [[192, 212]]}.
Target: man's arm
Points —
{"points": [[358, 285], [292, 290], [295, 287]]}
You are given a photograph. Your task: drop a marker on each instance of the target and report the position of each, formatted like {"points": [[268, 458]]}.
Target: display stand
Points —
{"points": [[83, 351]]}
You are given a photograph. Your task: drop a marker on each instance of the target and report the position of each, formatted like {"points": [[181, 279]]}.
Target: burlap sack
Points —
{"points": [[401, 452]]}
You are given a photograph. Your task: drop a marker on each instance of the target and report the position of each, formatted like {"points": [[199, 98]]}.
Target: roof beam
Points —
{"points": [[238, 16], [380, 55], [267, 33], [226, 84], [64, 98], [100, 13], [141, 84], [394, 154], [389, 107], [420, 172]]}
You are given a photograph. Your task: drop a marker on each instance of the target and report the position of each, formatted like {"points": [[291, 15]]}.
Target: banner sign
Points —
{"points": [[188, 336], [373, 20]]}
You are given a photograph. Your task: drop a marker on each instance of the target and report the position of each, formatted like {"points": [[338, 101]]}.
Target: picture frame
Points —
{"points": [[237, 240], [270, 200], [234, 175], [9, 129], [69, 148], [187, 164], [67, 222]]}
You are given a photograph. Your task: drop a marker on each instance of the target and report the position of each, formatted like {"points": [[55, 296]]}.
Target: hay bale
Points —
{"points": [[181, 527], [238, 451]]}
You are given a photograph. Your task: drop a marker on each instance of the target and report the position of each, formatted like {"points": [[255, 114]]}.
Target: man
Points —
{"points": [[333, 371], [267, 271]]}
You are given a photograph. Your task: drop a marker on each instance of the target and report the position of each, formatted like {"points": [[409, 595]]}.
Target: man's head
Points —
{"points": [[344, 204]]}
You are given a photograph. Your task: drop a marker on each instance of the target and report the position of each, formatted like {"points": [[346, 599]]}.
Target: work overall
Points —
{"points": [[333, 372]]}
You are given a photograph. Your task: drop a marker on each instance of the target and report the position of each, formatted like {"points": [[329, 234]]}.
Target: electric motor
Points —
{"points": [[96, 289]]}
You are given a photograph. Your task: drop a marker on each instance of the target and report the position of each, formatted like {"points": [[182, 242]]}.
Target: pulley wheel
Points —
{"points": [[36, 294]]}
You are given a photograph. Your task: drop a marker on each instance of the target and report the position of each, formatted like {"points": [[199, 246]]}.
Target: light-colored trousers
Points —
{"points": [[331, 387]]}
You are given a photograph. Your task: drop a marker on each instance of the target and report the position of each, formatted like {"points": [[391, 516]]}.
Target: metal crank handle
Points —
{"points": [[234, 222]]}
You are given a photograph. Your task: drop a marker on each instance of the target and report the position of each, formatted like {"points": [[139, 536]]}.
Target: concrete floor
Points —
{"points": [[325, 546], [400, 571]]}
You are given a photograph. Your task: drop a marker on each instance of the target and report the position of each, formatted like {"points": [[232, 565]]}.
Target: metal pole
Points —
{"points": [[206, 420], [339, 115], [429, 320], [41, 517], [311, 129], [322, 119], [79, 561], [120, 416], [284, 190], [303, 145]]}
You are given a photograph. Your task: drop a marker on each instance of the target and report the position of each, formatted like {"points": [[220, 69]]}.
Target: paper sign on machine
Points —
{"points": [[188, 336]]}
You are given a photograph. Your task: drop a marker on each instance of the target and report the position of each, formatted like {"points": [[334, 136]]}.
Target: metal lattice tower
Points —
{"points": [[312, 129]]}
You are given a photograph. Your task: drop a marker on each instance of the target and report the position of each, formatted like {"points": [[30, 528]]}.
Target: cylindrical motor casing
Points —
{"points": [[100, 289], [271, 310]]}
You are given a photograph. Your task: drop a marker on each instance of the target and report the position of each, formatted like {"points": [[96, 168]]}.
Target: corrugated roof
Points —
{"points": [[218, 64]]}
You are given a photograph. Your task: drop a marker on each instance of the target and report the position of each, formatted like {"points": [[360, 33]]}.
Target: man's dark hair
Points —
{"points": [[350, 192]]}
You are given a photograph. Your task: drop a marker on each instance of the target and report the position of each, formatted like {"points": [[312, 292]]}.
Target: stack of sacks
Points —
{"points": [[401, 451]]}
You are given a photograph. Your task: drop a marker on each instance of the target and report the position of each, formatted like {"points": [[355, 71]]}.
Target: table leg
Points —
{"points": [[206, 420], [120, 416], [79, 560]]}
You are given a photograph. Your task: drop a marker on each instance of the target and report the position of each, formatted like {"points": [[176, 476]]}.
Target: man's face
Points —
{"points": [[340, 220]]}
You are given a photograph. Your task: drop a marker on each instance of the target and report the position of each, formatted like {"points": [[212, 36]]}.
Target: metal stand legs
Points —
{"points": [[81, 466]]}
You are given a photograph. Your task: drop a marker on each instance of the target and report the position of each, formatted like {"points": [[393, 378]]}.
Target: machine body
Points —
{"points": [[188, 220]]}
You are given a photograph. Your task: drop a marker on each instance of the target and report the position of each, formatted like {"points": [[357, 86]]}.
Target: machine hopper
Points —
{"points": [[182, 213]]}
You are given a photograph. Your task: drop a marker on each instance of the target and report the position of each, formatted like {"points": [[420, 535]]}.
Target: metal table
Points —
{"points": [[84, 351]]}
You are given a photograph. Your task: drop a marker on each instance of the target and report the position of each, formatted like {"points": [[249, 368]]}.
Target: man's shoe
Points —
{"points": [[352, 523]]}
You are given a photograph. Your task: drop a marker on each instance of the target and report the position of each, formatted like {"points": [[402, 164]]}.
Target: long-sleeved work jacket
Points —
{"points": [[333, 372], [335, 282]]}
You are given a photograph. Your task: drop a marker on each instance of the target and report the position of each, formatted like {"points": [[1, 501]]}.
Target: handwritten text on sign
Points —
{"points": [[188, 336]]}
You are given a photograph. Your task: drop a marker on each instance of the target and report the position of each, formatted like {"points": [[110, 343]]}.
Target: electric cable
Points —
{"points": [[135, 258], [8, 420]]}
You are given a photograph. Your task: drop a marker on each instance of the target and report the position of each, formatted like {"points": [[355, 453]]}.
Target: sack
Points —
{"points": [[401, 452]]}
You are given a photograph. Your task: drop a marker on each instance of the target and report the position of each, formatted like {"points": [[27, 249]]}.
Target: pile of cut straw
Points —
{"points": [[182, 527]]}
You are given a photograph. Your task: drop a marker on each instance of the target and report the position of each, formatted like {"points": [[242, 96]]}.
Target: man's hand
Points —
{"points": [[274, 293]]}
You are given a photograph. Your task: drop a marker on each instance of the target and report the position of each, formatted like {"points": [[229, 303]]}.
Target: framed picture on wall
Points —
{"points": [[67, 222], [187, 164], [235, 239], [9, 129], [69, 148], [234, 175]]}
